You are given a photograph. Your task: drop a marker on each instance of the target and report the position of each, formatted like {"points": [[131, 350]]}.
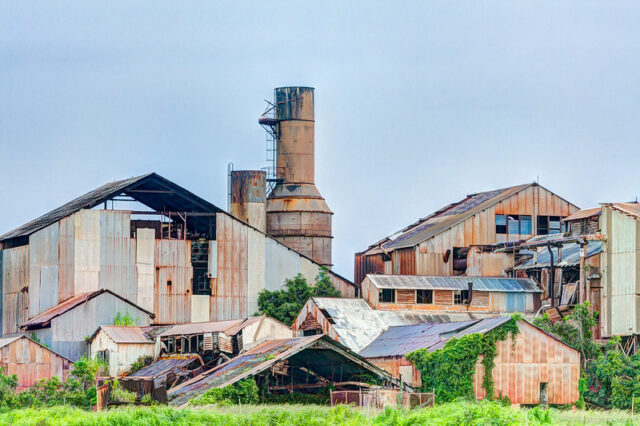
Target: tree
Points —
{"points": [[285, 304]]}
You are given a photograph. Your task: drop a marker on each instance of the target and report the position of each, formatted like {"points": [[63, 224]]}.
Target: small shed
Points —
{"points": [[66, 326], [31, 361], [535, 363], [209, 339], [451, 293], [121, 346]]}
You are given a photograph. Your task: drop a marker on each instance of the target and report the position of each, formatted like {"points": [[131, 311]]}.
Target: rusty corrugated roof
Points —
{"points": [[629, 208], [400, 340], [164, 365], [583, 214], [125, 334], [44, 319], [500, 284], [200, 328], [142, 187]]}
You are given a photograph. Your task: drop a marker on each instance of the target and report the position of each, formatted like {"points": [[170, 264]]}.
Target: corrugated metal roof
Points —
{"points": [[399, 341], [165, 364], [357, 324], [256, 361], [7, 340], [583, 214], [449, 216], [43, 319], [161, 194], [629, 208], [200, 328], [570, 256], [501, 284], [125, 334]]}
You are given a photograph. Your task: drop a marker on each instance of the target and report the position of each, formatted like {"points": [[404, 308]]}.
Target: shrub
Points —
{"points": [[126, 319], [242, 392], [140, 363]]}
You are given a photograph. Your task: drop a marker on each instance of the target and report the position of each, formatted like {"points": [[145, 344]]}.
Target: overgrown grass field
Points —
{"points": [[458, 413]]}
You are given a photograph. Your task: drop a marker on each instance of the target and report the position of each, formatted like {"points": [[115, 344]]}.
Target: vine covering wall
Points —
{"points": [[450, 370]]}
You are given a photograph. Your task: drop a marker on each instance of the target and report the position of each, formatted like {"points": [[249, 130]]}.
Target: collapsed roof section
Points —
{"points": [[316, 358]]}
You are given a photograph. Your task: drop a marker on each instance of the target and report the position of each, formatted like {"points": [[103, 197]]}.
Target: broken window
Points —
{"points": [[103, 356], [201, 282], [387, 295], [501, 224], [424, 296], [460, 297]]}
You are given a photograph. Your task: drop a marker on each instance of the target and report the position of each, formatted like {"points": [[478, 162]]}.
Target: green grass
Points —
{"points": [[459, 413]]}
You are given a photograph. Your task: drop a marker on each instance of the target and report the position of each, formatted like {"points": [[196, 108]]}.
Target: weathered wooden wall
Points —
{"points": [[14, 277], [121, 355], [32, 362]]}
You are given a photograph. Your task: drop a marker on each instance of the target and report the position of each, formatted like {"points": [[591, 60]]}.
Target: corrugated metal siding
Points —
{"points": [[229, 300], [66, 253], [32, 362], [15, 276], [281, 264], [371, 264], [256, 268], [68, 331], [86, 259], [536, 358], [145, 267], [621, 281], [515, 302], [43, 270], [172, 303], [118, 254]]}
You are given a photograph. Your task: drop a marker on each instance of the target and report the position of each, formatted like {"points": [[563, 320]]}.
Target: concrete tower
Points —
{"points": [[248, 197], [297, 215]]}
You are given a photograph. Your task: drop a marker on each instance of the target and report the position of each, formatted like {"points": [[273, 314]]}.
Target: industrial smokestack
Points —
{"points": [[297, 215], [248, 197]]}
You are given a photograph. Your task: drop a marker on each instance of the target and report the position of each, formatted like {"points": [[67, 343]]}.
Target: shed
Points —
{"points": [[355, 324], [67, 327], [451, 293], [121, 346], [31, 361], [536, 362], [298, 364]]}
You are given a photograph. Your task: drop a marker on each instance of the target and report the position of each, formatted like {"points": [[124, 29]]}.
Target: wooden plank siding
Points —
{"points": [[427, 257]]}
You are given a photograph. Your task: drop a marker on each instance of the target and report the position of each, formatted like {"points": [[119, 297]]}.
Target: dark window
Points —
{"points": [[501, 224], [513, 224], [103, 356], [311, 332], [543, 225], [461, 297], [424, 296], [201, 282], [387, 295]]}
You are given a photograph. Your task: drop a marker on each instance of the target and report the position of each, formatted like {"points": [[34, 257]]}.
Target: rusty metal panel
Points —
{"points": [[145, 267], [14, 270], [66, 253], [368, 264], [43, 269], [229, 300], [172, 301], [404, 261], [118, 254], [86, 262]]}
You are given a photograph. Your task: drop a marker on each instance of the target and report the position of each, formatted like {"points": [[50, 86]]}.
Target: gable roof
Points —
{"points": [[124, 334], [4, 341], [632, 209], [583, 214], [357, 324], [149, 189], [265, 355], [422, 282], [445, 218], [43, 319]]}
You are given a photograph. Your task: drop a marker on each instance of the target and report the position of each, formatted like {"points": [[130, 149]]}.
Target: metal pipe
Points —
{"points": [[552, 273]]}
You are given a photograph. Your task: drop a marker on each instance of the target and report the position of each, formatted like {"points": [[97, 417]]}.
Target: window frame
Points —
{"points": [[381, 293], [430, 297], [461, 294]]}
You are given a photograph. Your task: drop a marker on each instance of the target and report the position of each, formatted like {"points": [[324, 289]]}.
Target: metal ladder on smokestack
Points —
{"points": [[268, 121]]}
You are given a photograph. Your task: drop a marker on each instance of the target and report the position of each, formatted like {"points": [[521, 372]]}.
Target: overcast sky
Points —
{"points": [[417, 103]]}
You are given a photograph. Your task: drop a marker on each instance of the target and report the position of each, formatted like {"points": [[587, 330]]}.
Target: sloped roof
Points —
{"points": [[44, 319], [357, 324], [629, 208], [149, 189], [263, 356], [164, 365], [570, 256], [399, 341], [4, 341], [125, 334], [500, 284], [583, 214], [229, 327]]}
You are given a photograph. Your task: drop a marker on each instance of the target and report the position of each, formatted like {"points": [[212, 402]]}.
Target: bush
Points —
{"points": [[140, 363], [242, 392], [126, 319]]}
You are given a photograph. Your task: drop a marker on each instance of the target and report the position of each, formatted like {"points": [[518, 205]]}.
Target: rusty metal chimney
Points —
{"points": [[248, 197], [297, 215]]}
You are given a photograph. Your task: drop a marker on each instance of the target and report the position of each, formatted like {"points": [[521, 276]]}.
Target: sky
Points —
{"points": [[417, 103]]}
